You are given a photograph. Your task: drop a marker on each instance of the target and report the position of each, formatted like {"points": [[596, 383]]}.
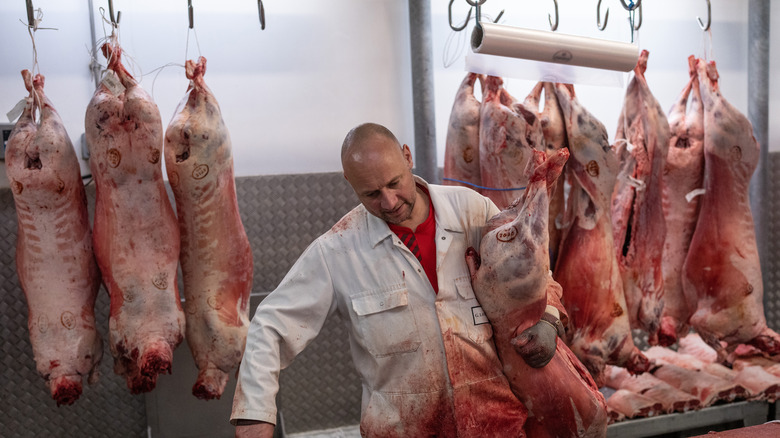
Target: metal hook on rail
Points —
{"points": [[598, 17], [709, 18], [631, 7], [190, 14], [477, 6], [261, 11], [452, 26], [639, 23], [30, 14], [554, 27], [114, 21]]}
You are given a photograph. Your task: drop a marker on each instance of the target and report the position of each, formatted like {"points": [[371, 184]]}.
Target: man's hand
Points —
{"points": [[537, 344], [254, 429]]}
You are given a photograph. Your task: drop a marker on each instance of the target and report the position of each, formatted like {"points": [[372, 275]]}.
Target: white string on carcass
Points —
{"points": [[694, 193], [35, 69], [628, 77], [187, 46], [629, 146], [706, 44], [159, 70], [638, 184]]}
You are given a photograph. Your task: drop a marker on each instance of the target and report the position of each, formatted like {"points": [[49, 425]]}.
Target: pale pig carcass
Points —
{"points": [[638, 225], [216, 259], [461, 153], [599, 332], [628, 404], [759, 383], [512, 281], [135, 234], [708, 388], [722, 269], [683, 175], [54, 257], [508, 133], [671, 398]]}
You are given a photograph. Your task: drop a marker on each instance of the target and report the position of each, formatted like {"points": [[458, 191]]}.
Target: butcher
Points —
{"points": [[394, 268]]}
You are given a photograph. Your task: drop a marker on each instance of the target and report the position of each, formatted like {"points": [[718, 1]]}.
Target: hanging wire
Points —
{"points": [[191, 17], [34, 18], [631, 7]]}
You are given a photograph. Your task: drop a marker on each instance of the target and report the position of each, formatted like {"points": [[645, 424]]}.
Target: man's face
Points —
{"points": [[382, 179]]}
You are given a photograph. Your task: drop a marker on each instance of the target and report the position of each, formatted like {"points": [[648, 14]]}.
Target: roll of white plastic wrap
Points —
{"points": [[501, 40]]}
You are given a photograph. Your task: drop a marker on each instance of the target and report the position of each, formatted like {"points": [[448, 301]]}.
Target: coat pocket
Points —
{"points": [[385, 321], [479, 328]]}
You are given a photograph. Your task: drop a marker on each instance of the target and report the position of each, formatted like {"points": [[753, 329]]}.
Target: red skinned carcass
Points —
{"points": [[638, 226], [722, 271], [461, 153], [216, 259], [599, 331], [512, 281]]}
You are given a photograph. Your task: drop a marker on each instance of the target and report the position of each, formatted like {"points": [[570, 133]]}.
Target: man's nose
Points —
{"points": [[388, 200]]}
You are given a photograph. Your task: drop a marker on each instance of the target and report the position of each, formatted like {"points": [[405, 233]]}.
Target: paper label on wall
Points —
{"points": [[112, 82], [17, 110]]}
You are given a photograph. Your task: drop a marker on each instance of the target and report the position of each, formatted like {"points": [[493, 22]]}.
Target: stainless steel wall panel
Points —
{"points": [[105, 409]]}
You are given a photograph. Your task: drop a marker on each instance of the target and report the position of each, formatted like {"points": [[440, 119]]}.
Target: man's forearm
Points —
{"points": [[254, 429]]}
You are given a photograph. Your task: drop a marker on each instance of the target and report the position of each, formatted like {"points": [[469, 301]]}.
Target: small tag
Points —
{"points": [[636, 183], [112, 82], [694, 193], [479, 315], [17, 110]]}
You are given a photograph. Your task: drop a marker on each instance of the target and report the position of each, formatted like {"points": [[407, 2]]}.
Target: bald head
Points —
{"points": [[379, 169], [365, 137]]}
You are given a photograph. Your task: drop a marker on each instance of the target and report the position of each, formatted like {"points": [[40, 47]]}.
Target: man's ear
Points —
{"points": [[407, 155]]}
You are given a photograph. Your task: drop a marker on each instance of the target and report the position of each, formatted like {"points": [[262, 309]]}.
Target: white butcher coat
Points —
{"points": [[402, 334]]}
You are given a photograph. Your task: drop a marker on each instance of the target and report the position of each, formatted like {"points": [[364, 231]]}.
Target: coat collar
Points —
{"points": [[446, 216]]}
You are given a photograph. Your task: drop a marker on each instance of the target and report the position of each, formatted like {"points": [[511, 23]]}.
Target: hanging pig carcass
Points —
{"points": [[216, 259], [54, 257], [136, 238]]}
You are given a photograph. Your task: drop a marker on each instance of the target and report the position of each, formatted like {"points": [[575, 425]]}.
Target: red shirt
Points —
{"points": [[425, 237]]}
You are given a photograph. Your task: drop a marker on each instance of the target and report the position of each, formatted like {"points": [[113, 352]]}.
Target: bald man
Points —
{"points": [[393, 267]]}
